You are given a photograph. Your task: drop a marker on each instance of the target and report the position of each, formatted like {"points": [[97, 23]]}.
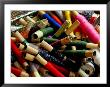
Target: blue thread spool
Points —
{"points": [[50, 19], [47, 56]]}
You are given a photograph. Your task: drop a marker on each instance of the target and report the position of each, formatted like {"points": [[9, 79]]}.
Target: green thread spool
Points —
{"points": [[42, 32], [49, 40], [47, 30], [80, 53], [82, 44], [78, 44]]}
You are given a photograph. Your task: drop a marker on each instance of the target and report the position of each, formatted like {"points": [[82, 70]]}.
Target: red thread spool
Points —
{"points": [[19, 72], [61, 69], [49, 66], [16, 71], [92, 20], [56, 43], [17, 52], [61, 42], [53, 70]]}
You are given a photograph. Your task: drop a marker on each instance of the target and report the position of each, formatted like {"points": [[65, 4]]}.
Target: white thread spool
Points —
{"points": [[88, 68], [82, 73]]}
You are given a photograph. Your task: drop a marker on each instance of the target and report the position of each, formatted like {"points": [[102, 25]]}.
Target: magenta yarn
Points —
{"points": [[88, 29]]}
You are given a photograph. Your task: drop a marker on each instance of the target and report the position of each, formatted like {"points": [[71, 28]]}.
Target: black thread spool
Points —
{"points": [[72, 65]]}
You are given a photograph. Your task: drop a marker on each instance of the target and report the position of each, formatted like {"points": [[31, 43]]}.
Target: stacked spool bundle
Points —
{"points": [[55, 43]]}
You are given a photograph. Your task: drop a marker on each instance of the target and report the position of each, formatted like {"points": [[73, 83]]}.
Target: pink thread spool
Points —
{"points": [[87, 28]]}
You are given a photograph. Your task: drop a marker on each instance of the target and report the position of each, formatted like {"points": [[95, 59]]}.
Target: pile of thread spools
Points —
{"points": [[55, 44]]}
